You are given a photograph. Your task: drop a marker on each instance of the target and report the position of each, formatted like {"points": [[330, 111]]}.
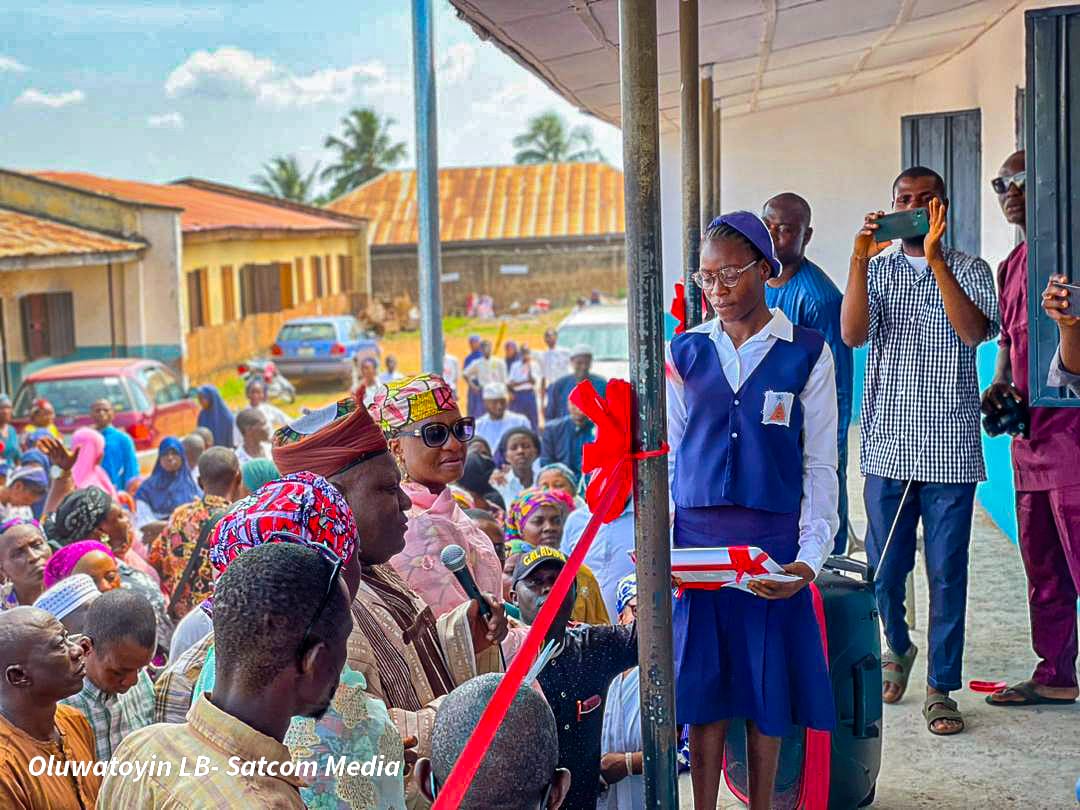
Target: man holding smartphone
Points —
{"points": [[923, 309], [1046, 475], [1058, 302]]}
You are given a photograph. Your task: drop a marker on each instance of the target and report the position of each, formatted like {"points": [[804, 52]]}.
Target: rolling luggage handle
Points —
{"points": [[837, 563], [861, 691]]}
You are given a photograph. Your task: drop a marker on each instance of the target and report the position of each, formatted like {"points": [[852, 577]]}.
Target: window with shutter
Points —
{"points": [[48, 324], [196, 311], [1052, 98]]}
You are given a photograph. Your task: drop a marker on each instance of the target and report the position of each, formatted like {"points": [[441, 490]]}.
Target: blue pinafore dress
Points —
{"points": [[738, 481]]}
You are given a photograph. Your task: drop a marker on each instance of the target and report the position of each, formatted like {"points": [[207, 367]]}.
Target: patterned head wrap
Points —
{"points": [[624, 592], [63, 562], [303, 504], [328, 441], [406, 402], [528, 502], [78, 516]]}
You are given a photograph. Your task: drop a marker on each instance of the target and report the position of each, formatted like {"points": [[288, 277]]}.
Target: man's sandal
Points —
{"points": [[1028, 695], [941, 707], [898, 677]]}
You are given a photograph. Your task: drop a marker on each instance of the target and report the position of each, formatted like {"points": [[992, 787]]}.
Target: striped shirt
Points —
{"points": [[113, 717], [216, 737], [176, 683], [920, 411]]}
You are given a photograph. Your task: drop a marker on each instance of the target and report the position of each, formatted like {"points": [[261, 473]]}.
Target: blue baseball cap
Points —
{"points": [[753, 228]]}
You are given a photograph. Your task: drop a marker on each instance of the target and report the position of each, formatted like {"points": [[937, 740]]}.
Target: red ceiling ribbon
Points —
{"points": [[610, 455]]}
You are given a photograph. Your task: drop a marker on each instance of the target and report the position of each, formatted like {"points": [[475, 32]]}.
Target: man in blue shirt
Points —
{"points": [[119, 462], [809, 298], [558, 392], [564, 439]]}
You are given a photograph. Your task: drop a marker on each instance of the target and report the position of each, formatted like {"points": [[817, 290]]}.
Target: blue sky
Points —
{"points": [[157, 91]]}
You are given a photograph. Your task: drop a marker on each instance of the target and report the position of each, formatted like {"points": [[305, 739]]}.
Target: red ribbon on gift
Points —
{"points": [[611, 457], [678, 306], [740, 562]]}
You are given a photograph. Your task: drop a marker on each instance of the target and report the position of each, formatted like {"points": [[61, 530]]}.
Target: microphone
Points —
{"points": [[453, 557]]}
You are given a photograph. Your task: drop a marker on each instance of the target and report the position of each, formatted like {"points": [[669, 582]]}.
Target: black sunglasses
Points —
{"points": [[329, 554], [436, 434], [1001, 184]]}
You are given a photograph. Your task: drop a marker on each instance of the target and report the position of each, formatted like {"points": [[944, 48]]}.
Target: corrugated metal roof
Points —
{"points": [[25, 235], [203, 210], [488, 203]]}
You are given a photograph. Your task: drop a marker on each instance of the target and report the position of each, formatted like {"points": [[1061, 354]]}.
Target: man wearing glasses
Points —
{"points": [[923, 309], [1046, 474]]}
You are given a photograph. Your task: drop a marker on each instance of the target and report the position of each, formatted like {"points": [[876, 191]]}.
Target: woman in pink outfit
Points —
{"points": [[87, 470], [428, 437]]}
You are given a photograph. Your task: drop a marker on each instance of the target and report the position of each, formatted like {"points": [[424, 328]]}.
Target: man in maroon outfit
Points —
{"points": [[1047, 480]]}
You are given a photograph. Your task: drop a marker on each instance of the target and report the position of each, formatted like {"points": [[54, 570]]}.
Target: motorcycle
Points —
{"points": [[277, 385]]}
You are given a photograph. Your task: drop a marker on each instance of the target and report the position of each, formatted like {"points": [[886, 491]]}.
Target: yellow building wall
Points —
{"points": [[36, 196], [213, 256]]}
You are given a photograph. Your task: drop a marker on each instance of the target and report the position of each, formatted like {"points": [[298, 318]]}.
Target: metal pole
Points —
{"points": [[707, 177], [641, 178], [427, 188], [718, 175], [691, 154]]}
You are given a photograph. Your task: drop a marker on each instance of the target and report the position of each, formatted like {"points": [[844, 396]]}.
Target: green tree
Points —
{"points": [[548, 141], [283, 177], [364, 150]]}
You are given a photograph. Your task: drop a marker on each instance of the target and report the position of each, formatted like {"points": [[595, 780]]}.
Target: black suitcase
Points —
{"points": [[854, 747]]}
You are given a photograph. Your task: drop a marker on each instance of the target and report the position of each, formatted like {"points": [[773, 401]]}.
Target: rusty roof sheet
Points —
{"points": [[25, 235], [203, 210], [489, 203]]}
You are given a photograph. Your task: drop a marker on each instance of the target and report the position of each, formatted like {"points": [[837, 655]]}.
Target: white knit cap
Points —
{"points": [[67, 595], [496, 390]]}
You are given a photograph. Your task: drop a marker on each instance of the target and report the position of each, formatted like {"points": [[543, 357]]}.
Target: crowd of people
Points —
{"points": [[273, 591]]}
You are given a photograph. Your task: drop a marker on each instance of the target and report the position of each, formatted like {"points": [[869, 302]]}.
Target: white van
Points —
{"points": [[603, 328]]}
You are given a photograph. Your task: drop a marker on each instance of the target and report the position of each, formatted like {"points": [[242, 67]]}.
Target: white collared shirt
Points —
{"points": [[818, 518]]}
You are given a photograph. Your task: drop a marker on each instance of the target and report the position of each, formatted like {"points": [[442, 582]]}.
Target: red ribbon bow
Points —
{"points": [[609, 455], [678, 306], [740, 562]]}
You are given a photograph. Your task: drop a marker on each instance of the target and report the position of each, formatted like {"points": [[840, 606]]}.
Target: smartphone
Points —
{"points": [[903, 225], [1074, 298]]}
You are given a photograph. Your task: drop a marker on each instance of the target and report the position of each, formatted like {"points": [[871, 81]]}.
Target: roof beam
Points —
{"points": [[907, 8], [45, 262], [990, 23], [588, 19], [764, 51]]}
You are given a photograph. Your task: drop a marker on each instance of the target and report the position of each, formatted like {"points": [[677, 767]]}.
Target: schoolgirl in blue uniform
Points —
{"points": [[752, 420]]}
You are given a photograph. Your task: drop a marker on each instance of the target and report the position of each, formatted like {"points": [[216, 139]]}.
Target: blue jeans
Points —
{"points": [[840, 543], [945, 511]]}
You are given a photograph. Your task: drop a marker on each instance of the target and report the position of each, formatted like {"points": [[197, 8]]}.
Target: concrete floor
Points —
{"points": [[1008, 758]]}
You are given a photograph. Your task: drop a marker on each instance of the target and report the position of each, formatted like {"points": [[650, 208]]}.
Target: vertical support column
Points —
{"points": [[718, 175], [427, 188], [694, 314], [691, 153], [641, 161]]}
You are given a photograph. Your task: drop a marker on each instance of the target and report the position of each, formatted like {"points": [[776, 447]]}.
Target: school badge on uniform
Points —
{"points": [[777, 408]]}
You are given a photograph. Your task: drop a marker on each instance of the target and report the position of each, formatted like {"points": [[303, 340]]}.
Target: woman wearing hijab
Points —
{"points": [[87, 470], [428, 436], [170, 485], [511, 354], [90, 513], [257, 472], [85, 557], [536, 518], [8, 435], [215, 416]]}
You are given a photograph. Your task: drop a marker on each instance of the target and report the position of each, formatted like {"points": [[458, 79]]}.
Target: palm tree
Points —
{"points": [[283, 177], [364, 150], [547, 141]]}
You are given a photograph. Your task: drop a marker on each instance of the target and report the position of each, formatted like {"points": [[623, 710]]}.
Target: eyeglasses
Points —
{"points": [[1001, 184], [436, 434], [728, 275]]}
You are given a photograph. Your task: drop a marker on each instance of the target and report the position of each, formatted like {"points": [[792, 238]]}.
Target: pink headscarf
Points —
{"points": [[87, 471], [63, 562]]}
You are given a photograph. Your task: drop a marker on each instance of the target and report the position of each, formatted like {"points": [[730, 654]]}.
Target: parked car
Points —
{"points": [[604, 329], [323, 346], [149, 399]]}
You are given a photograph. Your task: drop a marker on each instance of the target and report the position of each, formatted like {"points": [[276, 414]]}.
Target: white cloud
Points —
{"points": [[235, 73], [37, 98], [456, 66], [9, 65], [172, 120]]}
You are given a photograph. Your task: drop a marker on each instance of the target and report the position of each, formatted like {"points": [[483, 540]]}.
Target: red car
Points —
{"points": [[149, 399]]}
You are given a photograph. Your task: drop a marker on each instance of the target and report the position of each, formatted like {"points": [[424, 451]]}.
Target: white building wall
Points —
{"points": [[842, 153]]}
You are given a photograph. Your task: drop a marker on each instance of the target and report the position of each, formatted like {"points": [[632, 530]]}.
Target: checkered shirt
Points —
{"points": [[113, 717], [175, 686], [922, 392]]}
